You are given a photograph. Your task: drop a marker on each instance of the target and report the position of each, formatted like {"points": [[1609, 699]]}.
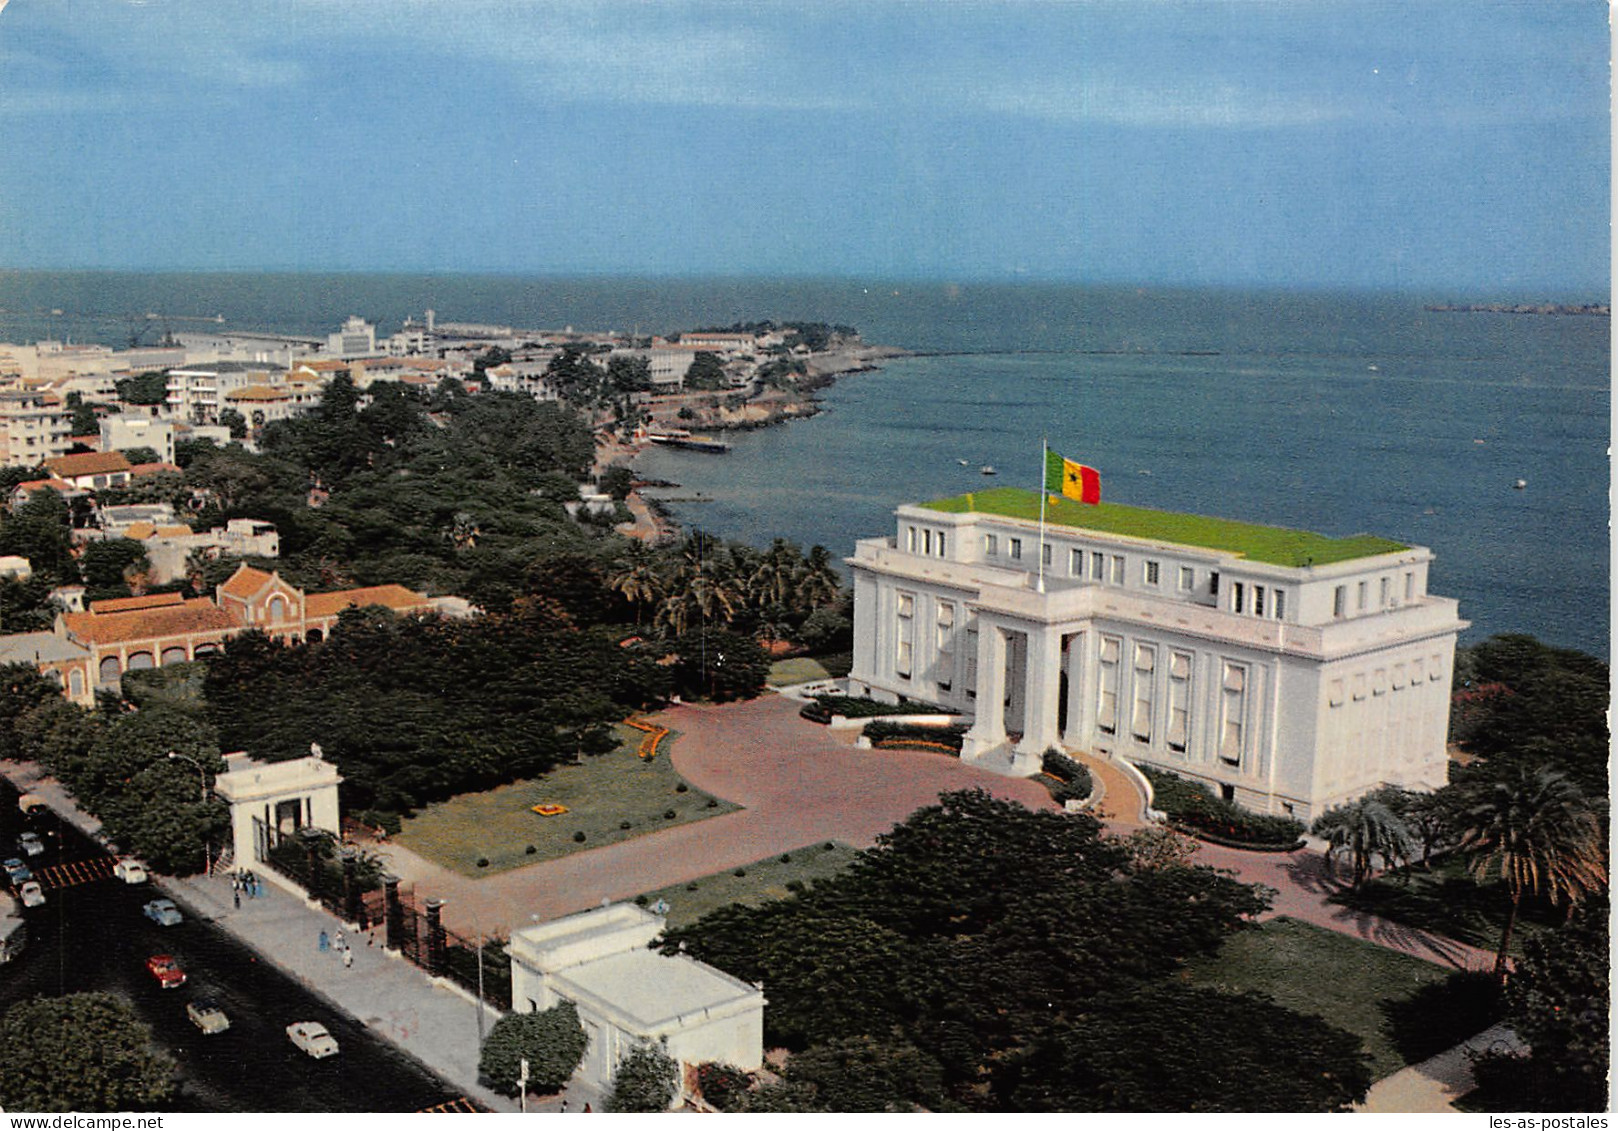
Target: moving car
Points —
{"points": [[32, 894], [207, 1016], [129, 870], [17, 871], [166, 969], [162, 912], [312, 1038], [30, 844]]}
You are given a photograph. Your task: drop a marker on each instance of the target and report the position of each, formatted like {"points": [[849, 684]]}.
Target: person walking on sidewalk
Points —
{"points": [[348, 959]]}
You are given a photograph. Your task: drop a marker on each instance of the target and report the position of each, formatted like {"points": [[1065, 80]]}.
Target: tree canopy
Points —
{"points": [[83, 1052], [551, 1040], [978, 941]]}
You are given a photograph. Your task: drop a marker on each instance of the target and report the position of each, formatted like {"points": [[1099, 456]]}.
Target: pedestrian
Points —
{"points": [[586, 1109], [341, 942], [325, 942], [564, 1105], [236, 897], [348, 959]]}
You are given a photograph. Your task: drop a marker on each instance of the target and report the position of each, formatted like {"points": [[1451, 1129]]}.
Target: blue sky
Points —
{"points": [[1420, 145]]}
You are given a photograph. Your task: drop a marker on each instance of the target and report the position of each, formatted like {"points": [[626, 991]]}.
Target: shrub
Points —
{"points": [[888, 734], [641, 901], [1066, 779], [786, 857], [681, 788], [552, 1041], [668, 814], [691, 887], [530, 851], [741, 871], [851, 707], [645, 1081], [712, 804], [483, 861], [722, 1085], [794, 886], [1192, 808], [625, 825], [578, 837]]}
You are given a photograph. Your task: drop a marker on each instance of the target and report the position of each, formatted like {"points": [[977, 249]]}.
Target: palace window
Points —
{"points": [[1151, 573], [1117, 569], [970, 678], [1410, 587], [1385, 593], [1141, 719], [1363, 592], [1097, 564], [941, 537], [1075, 563], [1188, 578], [1238, 596], [927, 542], [1258, 600], [1280, 604], [1213, 583], [904, 656], [991, 545], [910, 539], [1179, 700], [1233, 714], [1339, 601], [1107, 686], [945, 643], [1045, 553], [1016, 549]]}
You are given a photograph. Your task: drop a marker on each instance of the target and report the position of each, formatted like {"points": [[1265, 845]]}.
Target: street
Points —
{"points": [[92, 935]]}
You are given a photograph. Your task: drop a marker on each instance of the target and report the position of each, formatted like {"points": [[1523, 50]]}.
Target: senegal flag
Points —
{"points": [[1064, 477]]}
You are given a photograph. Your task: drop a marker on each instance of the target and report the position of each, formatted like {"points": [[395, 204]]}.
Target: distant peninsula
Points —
{"points": [[1600, 309]]}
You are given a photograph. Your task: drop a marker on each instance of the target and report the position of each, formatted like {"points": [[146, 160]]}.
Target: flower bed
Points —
{"points": [[654, 735], [550, 809], [889, 735], [1195, 811]]}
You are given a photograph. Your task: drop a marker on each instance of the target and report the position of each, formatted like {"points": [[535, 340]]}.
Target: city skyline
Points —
{"points": [[1364, 145]]}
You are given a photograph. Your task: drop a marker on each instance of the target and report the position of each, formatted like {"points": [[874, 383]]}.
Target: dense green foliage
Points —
{"points": [[83, 1053], [552, 1041], [151, 387], [885, 732], [644, 1081], [707, 373], [979, 942], [1067, 779], [1191, 807]]}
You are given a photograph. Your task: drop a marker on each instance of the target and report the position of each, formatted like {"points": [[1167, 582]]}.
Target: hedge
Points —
{"points": [[1066, 779], [851, 707], [1191, 808], [880, 732]]}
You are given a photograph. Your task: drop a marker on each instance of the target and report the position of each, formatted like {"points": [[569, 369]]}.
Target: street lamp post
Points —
{"points": [[202, 782]]}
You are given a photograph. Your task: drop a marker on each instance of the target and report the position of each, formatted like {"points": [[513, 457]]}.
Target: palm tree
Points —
{"points": [[1365, 829], [1532, 827], [638, 579], [819, 583]]}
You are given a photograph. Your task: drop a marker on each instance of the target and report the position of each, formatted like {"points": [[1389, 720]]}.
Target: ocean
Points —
{"points": [[1340, 413]]}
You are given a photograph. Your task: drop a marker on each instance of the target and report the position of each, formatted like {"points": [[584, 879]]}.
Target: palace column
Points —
{"points": [[989, 724], [1042, 691]]}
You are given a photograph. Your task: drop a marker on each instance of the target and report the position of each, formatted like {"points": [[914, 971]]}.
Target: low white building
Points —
{"points": [[270, 801], [123, 432], [1289, 671], [627, 994]]}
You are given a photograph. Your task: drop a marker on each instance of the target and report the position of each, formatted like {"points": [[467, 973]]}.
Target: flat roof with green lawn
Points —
{"points": [[609, 798], [1274, 545]]}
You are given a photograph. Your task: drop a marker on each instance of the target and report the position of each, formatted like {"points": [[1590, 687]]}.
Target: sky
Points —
{"points": [[1391, 144]]}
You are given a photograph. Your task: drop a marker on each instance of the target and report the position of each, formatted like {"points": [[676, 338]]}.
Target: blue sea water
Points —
{"points": [[1336, 413]]}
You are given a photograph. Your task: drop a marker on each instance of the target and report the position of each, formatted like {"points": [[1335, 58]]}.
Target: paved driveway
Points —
{"points": [[799, 783]]}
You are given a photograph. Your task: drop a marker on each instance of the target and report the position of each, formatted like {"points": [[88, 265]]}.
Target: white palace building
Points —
{"points": [[1289, 671]]}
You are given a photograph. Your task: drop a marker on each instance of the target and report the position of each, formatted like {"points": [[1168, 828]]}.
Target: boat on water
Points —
{"points": [[679, 438], [1520, 484], [963, 463], [987, 470]]}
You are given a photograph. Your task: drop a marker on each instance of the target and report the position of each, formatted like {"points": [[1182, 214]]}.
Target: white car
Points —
{"points": [[207, 1016], [130, 871], [32, 894], [162, 912], [312, 1038], [31, 844]]}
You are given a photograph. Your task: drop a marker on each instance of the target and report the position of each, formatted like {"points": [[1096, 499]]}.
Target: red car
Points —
{"points": [[166, 969]]}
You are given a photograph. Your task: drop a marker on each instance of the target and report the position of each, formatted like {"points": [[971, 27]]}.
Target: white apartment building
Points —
{"points": [[1288, 671], [196, 392], [357, 338], [34, 427], [121, 433]]}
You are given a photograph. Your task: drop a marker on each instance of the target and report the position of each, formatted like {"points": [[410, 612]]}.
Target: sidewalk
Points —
{"points": [[433, 1022], [1434, 1085]]}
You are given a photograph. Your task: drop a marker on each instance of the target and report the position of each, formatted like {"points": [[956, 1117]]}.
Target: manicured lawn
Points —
{"points": [[1347, 982], [601, 795], [1274, 544], [1450, 902], [798, 669], [764, 880]]}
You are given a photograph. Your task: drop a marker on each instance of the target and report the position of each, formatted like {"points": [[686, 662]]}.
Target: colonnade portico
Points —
{"points": [[1019, 666]]}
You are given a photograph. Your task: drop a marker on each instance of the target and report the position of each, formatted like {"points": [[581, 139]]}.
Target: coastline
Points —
{"points": [[720, 412]]}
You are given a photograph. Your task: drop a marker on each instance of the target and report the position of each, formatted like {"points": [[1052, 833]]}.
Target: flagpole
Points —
{"points": [[1044, 461]]}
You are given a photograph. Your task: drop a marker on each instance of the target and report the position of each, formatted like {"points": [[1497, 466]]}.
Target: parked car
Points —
{"points": [[162, 912], [129, 870], [312, 1038], [207, 1016], [32, 894], [166, 969], [16, 871], [30, 844]]}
